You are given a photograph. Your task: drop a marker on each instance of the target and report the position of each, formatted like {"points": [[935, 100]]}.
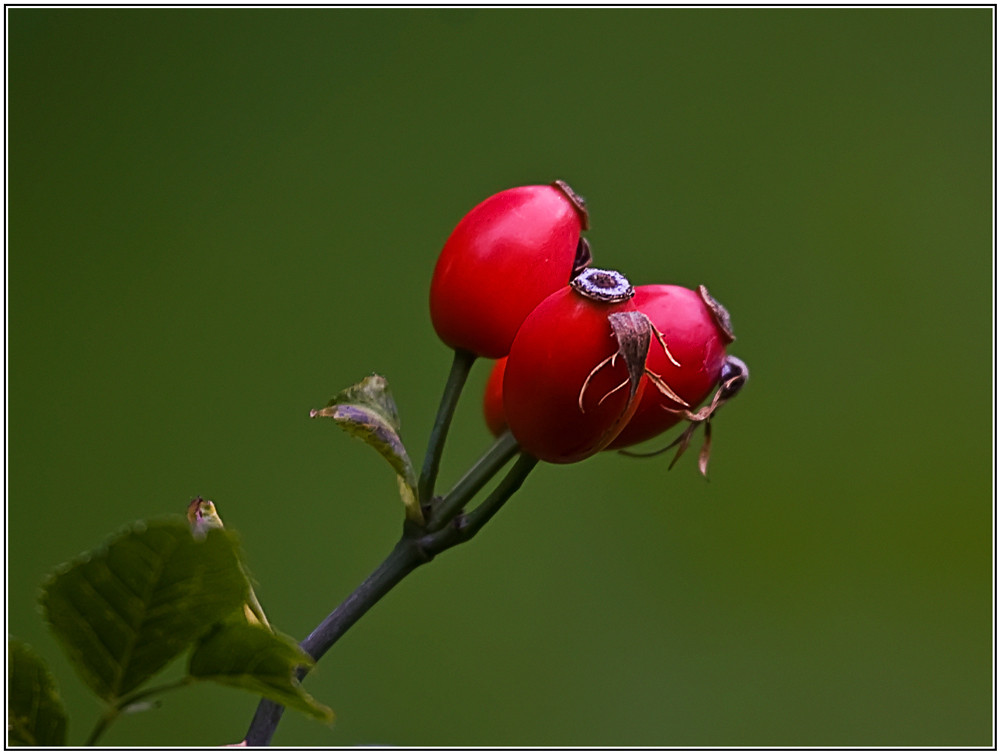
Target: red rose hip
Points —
{"points": [[501, 260], [570, 382]]}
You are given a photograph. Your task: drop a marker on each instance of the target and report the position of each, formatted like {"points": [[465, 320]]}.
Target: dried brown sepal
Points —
{"points": [[586, 382], [706, 450], [663, 345], [664, 388], [734, 376], [613, 390], [632, 331], [719, 313], [583, 259], [656, 379], [578, 202], [682, 443]]}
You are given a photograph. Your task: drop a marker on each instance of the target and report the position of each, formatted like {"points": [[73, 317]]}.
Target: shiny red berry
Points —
{"points": [[570, 380], [501, 260]]}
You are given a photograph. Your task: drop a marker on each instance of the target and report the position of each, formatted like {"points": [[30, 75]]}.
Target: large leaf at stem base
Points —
{"points": [[35, 714], [367, 411], [250, 657], [124, 611]]}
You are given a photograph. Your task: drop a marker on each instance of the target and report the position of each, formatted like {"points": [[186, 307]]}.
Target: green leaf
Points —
{"points": [[368, 412], [35, 714], [251, 657], [124, 611]]}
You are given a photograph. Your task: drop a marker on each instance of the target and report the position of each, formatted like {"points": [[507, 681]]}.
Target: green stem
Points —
{"points": [[414, 548], [405, 557], [460, 367], [120, 705], [109, 716], [469, 525], [510, 484], [503, 449]]}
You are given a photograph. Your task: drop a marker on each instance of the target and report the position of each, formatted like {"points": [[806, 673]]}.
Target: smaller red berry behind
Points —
{"points": [[493, 399]]}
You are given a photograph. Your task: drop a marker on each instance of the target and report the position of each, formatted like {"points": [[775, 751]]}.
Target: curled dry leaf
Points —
{"points": [[367, 411]]}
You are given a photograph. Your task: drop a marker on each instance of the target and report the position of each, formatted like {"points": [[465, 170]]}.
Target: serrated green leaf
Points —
{"points": [[124, 611], [203, 516], [252, 658], [35, 713], [367, 411]]}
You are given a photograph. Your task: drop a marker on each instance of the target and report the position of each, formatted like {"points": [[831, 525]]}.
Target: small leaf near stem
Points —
{"points": [[367, 411]]}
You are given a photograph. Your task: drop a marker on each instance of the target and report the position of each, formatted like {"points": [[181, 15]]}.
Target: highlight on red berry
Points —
{"points": [[501, 260], [571, 380]]}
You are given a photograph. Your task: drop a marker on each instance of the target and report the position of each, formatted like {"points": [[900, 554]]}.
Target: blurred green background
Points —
{"points": [[219, 218]]}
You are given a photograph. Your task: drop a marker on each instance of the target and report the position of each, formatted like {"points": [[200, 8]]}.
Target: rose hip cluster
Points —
{"points": [[585, 362]]}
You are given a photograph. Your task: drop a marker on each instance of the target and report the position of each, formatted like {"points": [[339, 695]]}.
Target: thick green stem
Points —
{"points": [[466, 527], [460, 367], [503, 449], [404, 557], [416, 547], [511, 483]]}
